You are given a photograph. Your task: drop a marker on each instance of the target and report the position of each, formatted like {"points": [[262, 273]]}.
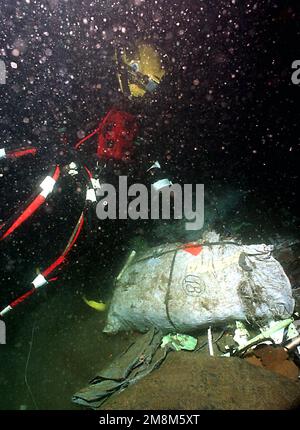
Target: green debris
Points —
{"points": [[274, 327], [179, 341], [292, 332], [267, 333]]}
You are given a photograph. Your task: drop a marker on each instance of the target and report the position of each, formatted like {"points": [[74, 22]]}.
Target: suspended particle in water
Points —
{"points": [[15, 52], [80, 134]]}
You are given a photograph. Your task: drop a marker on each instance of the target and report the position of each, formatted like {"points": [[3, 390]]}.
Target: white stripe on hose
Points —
{"points": [[2, 153], [5, 310], [47, 186], [39, 281]]}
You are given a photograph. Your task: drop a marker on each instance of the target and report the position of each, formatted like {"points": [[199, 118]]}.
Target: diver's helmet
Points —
{"points": [[140, 71]]}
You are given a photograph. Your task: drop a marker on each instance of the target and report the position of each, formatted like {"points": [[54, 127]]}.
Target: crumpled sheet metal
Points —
{"points": [[140, 359]]}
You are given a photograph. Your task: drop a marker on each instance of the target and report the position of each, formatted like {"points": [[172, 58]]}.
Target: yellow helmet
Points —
{"points": [[140, 71]]}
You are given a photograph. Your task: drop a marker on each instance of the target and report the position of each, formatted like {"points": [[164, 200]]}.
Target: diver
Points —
{"points": [[73, 175], [118, 138]]}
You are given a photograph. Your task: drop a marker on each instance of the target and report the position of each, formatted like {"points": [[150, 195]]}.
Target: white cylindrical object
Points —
{"points": [[293, 344], [39, 281], [5, 310], [2, 153], [210, 343], [91, 195], [162, 183], [47, 186]]}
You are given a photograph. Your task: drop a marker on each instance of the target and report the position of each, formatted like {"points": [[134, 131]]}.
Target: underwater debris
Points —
{"points": [[98, 306], [183, 288], [241, 334], [137, 361], [179, 341]]}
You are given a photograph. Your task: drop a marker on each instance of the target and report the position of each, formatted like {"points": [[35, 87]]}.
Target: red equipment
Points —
{"points": [[116, 134]]}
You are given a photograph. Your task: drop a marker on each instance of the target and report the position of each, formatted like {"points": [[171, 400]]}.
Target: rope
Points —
{"points": [[190, 245], [167, 298], [26, 368]]}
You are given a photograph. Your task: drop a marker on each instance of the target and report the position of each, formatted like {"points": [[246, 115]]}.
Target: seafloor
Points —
{"points": [[56, 346]]}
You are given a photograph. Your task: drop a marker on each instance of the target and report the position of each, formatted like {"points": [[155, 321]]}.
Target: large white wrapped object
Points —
{"points": [[184, 288]]}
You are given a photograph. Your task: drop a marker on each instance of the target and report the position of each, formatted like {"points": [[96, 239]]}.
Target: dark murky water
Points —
{"points": [[68, 348], [225, 115]]}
